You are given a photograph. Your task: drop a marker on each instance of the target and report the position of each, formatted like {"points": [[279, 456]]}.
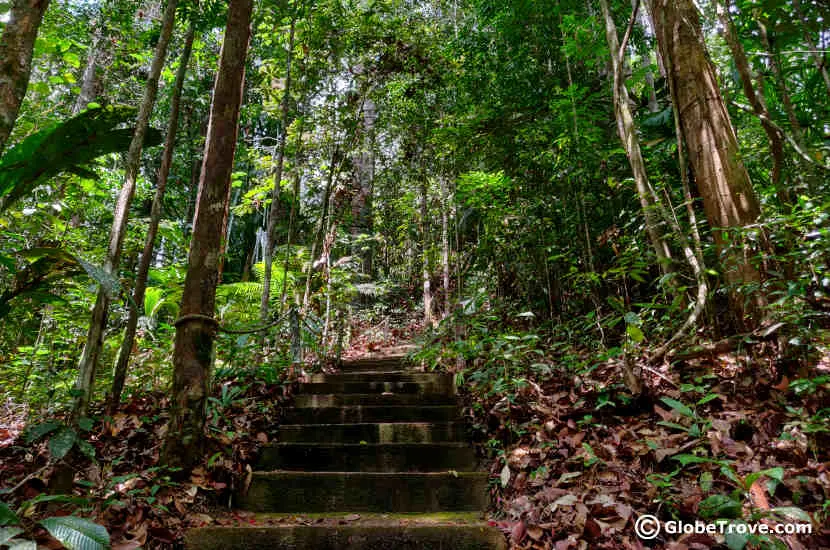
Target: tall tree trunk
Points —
{"points": [[16, 47], [425, 242], [756, 100], [445, 243], [196, 328], [628, 135], [292, 222], [137, 304], [729, 201], [95, 335], [273, 211]]}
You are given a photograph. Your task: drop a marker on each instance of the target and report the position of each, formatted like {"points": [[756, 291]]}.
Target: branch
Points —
{"points": [[784, 134], [627, 35]]}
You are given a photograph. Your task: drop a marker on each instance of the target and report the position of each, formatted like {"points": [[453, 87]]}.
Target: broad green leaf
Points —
{"points": [[735, 540], [77, 533], [720, 506], [65, 146], [678, 406], [793, 512], [62, 442], [635, 333], [7, 516], [36, 432]]}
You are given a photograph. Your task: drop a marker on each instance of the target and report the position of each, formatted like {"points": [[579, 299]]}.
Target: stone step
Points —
{"points": [[381, 535], [373, 365], [386, 432], [427, 387], [359, 414], [394, 382], [368, 457], [309, 492], [371, 376], [369, 399]]}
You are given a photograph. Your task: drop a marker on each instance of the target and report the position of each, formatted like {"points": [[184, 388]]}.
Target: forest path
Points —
{"points": [[373, 457]]}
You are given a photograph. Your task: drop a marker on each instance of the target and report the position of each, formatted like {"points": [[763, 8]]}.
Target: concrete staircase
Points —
{"points": [[374, 457]]}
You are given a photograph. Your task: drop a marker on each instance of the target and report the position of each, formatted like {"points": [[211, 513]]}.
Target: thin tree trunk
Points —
{"points": [[780, 79], [196, 328], [445, 244], [292, 221], [425, 241], [16, 45], [89, 79], [628, 135], [95, 335], [820, 63], [137, 304], [729, 200], [321, 227], [273, 212], [756, 100]]}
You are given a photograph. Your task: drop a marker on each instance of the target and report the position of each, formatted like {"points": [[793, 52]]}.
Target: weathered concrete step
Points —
{"points": [[426, 387], [374, 365], [385, 432], [309, 492], [399, 376], [368, 457], [369, 399], [360, 414], [389, 535]]}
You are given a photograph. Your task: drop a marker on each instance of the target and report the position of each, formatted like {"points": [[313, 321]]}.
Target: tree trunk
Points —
{"points": [[781, 80], [756, 100], [445, 244], [137, 303], [16, 47], [89, 79], [321, 227], [95, 335], [729, 201], [425, 242], [195, 329], [628, 135], [273, 212]]}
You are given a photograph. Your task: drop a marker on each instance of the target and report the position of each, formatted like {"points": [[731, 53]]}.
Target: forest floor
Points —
{"points": [[573, 466]]}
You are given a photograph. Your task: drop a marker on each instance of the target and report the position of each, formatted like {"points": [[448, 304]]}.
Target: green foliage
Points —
{"points": [[77, 533], [68, 146]]}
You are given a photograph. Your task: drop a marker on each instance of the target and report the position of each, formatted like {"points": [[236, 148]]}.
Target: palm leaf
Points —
{"points": [[66, 147]]}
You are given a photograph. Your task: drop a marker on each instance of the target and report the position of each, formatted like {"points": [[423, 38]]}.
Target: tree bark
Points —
{"points": [[628, 135], [425, 242], [193, 351], [88, 363], [273, 212], [137, 304], [445, 244], [16, 47], [729, 200], [756, 100]]}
